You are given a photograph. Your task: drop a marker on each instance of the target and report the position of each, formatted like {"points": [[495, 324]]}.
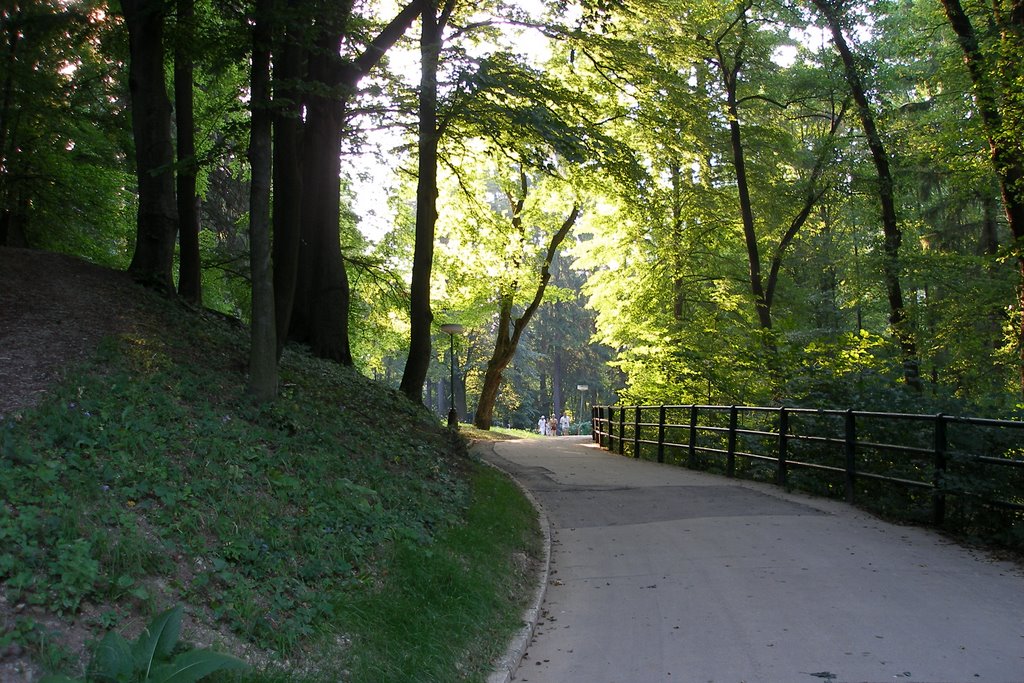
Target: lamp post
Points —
{"points": [[583, 389], [452, 329]]}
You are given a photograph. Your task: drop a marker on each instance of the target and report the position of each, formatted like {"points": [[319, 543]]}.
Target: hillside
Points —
{"points": [[135, 475], [54, 310]]}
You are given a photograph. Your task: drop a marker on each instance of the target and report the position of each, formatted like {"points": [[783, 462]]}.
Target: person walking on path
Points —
{"points": [[542, 425], [552, 425], [563, 425]]}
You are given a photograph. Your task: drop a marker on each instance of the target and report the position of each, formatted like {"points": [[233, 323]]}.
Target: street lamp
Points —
{"points": [[452, 329], [583, 389]]}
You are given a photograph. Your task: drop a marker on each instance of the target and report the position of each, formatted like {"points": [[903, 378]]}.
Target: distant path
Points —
{"points": [[663, 574]]}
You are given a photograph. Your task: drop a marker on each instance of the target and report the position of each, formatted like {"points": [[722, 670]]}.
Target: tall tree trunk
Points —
{"points": [[996, 84], [556, 381], [730, 79], [543, 397], [190, 285], [677, 240], [9, 235], [420, 315], [263, 352], [509, 332], [319, 315], [898, 322], [157, 224], [287, 214]]}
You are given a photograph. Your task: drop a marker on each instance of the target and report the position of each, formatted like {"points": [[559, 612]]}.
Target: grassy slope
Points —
{"points": [[338, 531]]}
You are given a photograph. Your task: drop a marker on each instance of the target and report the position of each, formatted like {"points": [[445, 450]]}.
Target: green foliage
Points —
{"points": [[45, 646], [439, 613], [669, 269], [63, 180], [154, 657], [269, 509]]}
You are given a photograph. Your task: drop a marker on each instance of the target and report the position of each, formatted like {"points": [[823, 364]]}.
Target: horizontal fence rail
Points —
{"points": [[903, 464]]}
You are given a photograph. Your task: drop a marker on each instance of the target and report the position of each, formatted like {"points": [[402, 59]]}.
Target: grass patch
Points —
{"points": [[444, 613], [497, 433], [148, 480]]}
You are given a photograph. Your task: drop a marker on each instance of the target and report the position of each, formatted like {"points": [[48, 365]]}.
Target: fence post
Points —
{"points": [[730, 458], [661, 434], [606, 428], [622, 430], [691, 455], [851, 454], [939, 497], [636, 432], [780, 474], [593, 424]]}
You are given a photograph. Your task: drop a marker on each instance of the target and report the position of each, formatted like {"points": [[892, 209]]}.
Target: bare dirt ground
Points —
{"points": [[54, 310]]}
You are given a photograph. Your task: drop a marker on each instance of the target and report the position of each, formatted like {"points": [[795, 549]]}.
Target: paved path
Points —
{"points": [[663, 574]]}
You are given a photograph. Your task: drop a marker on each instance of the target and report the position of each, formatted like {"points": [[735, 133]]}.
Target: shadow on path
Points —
{"points": [[663, 574]]}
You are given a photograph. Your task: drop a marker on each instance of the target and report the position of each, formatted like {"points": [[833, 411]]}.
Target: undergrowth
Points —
{"points": [[147, 479]]}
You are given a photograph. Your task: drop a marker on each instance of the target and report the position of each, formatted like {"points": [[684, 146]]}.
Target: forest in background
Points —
{"points": [[814, 203]]}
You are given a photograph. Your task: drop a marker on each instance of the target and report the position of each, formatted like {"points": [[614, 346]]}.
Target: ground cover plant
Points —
{"points": [[147, 479]]}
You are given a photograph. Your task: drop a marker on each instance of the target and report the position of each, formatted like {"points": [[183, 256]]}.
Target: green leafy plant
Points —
{"points": [[152, 657]]}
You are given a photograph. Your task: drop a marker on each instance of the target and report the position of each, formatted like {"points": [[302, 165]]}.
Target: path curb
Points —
{"points": [[508, 663]]}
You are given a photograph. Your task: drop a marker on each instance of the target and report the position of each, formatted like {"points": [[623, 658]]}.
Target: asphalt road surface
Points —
{"points": [[663, 574]]}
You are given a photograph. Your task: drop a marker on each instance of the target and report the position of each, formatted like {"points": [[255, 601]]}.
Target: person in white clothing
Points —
{"points": [[563, 424], [542, 426]]}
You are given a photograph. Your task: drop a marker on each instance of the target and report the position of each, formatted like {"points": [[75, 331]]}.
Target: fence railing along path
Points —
{"points": [[916, 466]]}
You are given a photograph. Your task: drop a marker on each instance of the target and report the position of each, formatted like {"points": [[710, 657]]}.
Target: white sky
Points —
{"points": [[372, 194]]}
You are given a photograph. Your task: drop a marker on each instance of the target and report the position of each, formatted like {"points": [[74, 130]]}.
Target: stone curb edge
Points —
{"points": [[507, 665]]}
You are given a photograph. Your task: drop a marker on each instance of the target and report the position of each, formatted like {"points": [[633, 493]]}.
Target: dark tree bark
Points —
{"points": [[893, 237], [543, 396], [510, 331], [263, 376], [287, 214], [190, 285], [556, 381], [994, 78], [156, 231], [319, 314], [762, 289], [730, 78], [11, 234], [421, 317]]}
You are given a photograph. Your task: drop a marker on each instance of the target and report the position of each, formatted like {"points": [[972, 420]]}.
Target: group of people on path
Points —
{"points": [[553, 426]]}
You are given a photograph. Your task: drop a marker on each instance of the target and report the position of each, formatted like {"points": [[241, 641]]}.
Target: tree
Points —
{"points": [[319, 313], [157, 228], [64, 185], [890, 227], [287, 176], [433, 22], [263, 351], [730, 59], [190, 284], [510, 331], [994, 63]]}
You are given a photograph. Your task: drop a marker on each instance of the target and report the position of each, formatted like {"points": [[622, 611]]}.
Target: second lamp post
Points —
{"points": [[452, 329]]}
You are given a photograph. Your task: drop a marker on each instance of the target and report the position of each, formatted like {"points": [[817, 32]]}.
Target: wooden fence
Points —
{"points": [[903, 464]]}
